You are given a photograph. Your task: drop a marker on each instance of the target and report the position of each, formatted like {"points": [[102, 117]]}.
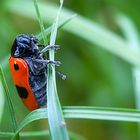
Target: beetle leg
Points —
{"points": [[60, 75], [57, 63], [55, 47]]}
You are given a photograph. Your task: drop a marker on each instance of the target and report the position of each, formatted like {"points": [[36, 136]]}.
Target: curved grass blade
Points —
{"points": [[84, 112], [62, 23], [84, 28], [33, 116], [35, 134], [25, 134], [40, 23], [56, 120], [31, 134], [100, 113], [6, 134], [10, 104], [132, 36], [1, 99]]}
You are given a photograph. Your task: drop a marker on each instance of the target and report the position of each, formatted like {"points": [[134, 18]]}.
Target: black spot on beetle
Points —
{"points": [[23, 93], [16, 67]]}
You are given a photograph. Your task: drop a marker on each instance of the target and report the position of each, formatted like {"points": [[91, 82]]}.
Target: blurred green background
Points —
{"points": [[95, 77]]}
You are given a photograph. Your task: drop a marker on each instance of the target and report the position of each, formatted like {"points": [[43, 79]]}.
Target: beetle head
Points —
{"points": [[24, 46]]}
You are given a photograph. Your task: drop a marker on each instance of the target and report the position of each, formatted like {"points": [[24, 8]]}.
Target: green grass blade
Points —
{"points": [[84, 28], [6, 134], [100, 113], [132, 36], [55, 116], [48, 30], [40, 22], [10, 104], [55, 25], [2, 99], [35, 115], [25, 134], [44, 133], [35, 134], [84, 112]]}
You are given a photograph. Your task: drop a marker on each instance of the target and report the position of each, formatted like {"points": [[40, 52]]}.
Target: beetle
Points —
{"points": [[28, 67]]}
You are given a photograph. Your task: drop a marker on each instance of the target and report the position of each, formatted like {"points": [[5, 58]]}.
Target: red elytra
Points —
{"points": [[20, 74]]}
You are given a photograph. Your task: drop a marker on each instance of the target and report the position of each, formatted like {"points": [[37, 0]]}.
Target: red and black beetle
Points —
{"points": [[28, 69]]}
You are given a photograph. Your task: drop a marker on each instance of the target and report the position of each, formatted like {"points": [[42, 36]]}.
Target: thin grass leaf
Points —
{"points": [[35, 134], [26, 134], [84, 112], [34, 115], [48, 30], [40, 22], [84, 28], [10, 104], [44, 133], [6, 134], [132, 36], [100, 113], [56, 120], [2, 99]]}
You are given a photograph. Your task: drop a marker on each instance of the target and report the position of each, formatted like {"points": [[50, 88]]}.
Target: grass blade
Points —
{"points": [[85, 112], [48, 30], [31, 134], [40, 22], [100, 113], [10, 104], [55, 116], [6, 134], [1, 99], [132, 37], [25, 134]]}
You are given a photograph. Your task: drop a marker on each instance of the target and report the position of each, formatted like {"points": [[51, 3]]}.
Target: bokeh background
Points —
{"points": [[95, 77]]}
